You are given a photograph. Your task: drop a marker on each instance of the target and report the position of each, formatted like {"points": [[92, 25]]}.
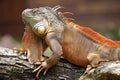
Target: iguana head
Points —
{"points": [[41, 19]]}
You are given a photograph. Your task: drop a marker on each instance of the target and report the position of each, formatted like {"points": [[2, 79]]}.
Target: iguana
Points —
{"points": [[48, 27]]}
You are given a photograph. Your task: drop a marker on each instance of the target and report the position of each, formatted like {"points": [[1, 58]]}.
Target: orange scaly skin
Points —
{"points": [[104, 46], [97, 37], [46, 27]]}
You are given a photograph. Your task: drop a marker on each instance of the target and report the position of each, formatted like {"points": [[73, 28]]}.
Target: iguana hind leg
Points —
{"points": [[94, 61]]}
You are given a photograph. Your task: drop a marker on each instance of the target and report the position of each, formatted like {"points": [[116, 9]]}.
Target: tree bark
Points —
{"points": [[14, 66], [106, 71]]}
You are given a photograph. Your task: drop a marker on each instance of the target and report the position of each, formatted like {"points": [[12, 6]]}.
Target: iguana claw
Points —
{"points": [[21, 51], [42, 66]]}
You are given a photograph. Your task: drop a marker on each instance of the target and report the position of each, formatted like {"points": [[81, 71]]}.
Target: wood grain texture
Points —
{"points": [[14, 66]]}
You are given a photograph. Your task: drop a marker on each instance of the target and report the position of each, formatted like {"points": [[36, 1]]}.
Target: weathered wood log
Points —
{"points": [[14, 66], [106, 71]]}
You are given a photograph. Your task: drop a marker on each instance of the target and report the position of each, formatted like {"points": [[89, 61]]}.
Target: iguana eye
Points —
{"points": [[34, 10]]}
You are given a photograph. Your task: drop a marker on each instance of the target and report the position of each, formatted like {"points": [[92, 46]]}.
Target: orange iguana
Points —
{"points": [[47, 27]]}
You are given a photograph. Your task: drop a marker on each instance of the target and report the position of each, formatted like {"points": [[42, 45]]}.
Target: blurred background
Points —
{"points": [[102, 16]]}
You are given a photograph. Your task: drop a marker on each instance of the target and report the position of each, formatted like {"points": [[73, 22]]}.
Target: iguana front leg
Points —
{"points": [[52, 41]]}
